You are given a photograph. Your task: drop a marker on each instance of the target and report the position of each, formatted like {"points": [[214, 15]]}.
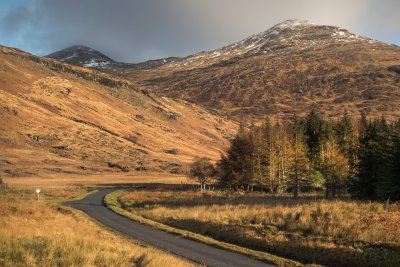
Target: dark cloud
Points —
{"points": [[136, 30]]}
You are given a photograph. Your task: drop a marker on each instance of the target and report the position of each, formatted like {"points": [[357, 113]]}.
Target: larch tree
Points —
{"points": [[334, 167]]}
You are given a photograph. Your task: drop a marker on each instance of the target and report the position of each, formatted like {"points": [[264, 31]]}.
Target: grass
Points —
{"points": [[65, 181], [309, 230], [112, 201], [38, 234]]}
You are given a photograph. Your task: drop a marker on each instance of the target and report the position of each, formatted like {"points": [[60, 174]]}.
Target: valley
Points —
{"points": [[280, 149]]}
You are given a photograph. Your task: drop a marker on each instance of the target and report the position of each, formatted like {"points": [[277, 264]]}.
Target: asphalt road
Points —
{"points": [[192, 250]]}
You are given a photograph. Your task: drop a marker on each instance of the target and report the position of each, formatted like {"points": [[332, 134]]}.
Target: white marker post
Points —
{"points": [[38, 192]]}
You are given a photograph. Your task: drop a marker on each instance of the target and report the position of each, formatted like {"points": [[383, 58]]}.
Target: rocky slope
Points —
{"points": [[59, 118], [289, 69]]}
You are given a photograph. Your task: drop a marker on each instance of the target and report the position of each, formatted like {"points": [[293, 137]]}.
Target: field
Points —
{"points": [[46, 234], [59, 181], [309, 229]]}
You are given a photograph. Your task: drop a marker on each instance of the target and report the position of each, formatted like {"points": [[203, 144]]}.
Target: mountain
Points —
{"points": [[84, 56], [58, 118], [291, 68], [80, 55]]}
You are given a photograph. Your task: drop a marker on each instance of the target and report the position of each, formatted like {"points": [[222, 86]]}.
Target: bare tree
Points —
{"points": [[202, 170]]}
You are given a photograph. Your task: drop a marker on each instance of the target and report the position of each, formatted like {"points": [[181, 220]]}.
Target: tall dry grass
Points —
{"points": [[308, 229], [37, 234]]}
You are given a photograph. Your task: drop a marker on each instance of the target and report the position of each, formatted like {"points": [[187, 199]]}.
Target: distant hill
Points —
{"points": [[84, 56]]}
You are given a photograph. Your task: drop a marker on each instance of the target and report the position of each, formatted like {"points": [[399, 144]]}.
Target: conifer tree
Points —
{"points": [[235, 167], [374, 161], [299, 163], [315, 136]]}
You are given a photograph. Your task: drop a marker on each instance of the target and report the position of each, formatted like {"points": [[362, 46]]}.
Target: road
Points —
{"points": [[189, 249]]}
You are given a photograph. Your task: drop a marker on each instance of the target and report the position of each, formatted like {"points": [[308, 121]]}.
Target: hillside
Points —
{"points": [[289, 69], [58, 118]]}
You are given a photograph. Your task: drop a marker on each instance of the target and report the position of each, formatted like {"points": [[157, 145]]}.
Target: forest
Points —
{"points": [[303, 154]]}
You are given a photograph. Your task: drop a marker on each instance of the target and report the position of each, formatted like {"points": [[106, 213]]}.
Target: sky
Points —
{"points": [[139, 30]]}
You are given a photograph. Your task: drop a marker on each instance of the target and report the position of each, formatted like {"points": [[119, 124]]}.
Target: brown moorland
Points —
{"points": [[62, 119]]}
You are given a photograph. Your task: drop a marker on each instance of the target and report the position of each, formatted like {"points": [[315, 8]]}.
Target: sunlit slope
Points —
{"points": [[61, 118]]}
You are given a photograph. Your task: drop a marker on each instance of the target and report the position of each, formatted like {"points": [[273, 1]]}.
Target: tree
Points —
{"points": [[235, 169], [375, 161], [334, 167], [299, 163], [266, 161], [282, 149], [347, 140], [202, 170], [317, 132], [394, 189]]}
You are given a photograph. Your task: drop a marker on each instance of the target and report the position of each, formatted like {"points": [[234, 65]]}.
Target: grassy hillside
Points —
{"points": [[58, 118]]}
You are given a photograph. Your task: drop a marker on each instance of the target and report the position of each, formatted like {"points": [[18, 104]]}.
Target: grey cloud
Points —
{"points": [[135, 30], [15, 19], [383, 20]]}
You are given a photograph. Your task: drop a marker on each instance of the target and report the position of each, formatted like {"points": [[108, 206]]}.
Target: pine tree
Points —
{"points": [[375, 161], [235, 168], [394, 191], [315, 136]]}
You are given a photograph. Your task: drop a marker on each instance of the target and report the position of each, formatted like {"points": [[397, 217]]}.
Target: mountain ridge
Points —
{"points": [[250, 44], [288, 69]]}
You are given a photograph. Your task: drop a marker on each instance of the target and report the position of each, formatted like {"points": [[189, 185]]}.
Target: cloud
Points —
{"points": [[383, 22], [135, 30]]}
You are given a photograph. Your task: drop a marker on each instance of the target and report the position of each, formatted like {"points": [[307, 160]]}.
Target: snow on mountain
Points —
{"points": [[282, 38], [82, 56]]}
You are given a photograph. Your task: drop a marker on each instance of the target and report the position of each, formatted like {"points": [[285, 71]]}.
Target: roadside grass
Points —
{"points": [[309, 230], [45, 233], [112, 202]]}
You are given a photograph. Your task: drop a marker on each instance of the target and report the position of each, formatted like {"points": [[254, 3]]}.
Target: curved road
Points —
{"points": [[192, 250]]}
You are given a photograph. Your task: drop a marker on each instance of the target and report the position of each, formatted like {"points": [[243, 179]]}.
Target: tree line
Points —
{"points": [[313, 154]]}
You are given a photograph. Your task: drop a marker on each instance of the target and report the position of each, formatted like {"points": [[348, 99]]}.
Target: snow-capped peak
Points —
{"points": [[256, 41], [288, 36], [293, 23]]}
